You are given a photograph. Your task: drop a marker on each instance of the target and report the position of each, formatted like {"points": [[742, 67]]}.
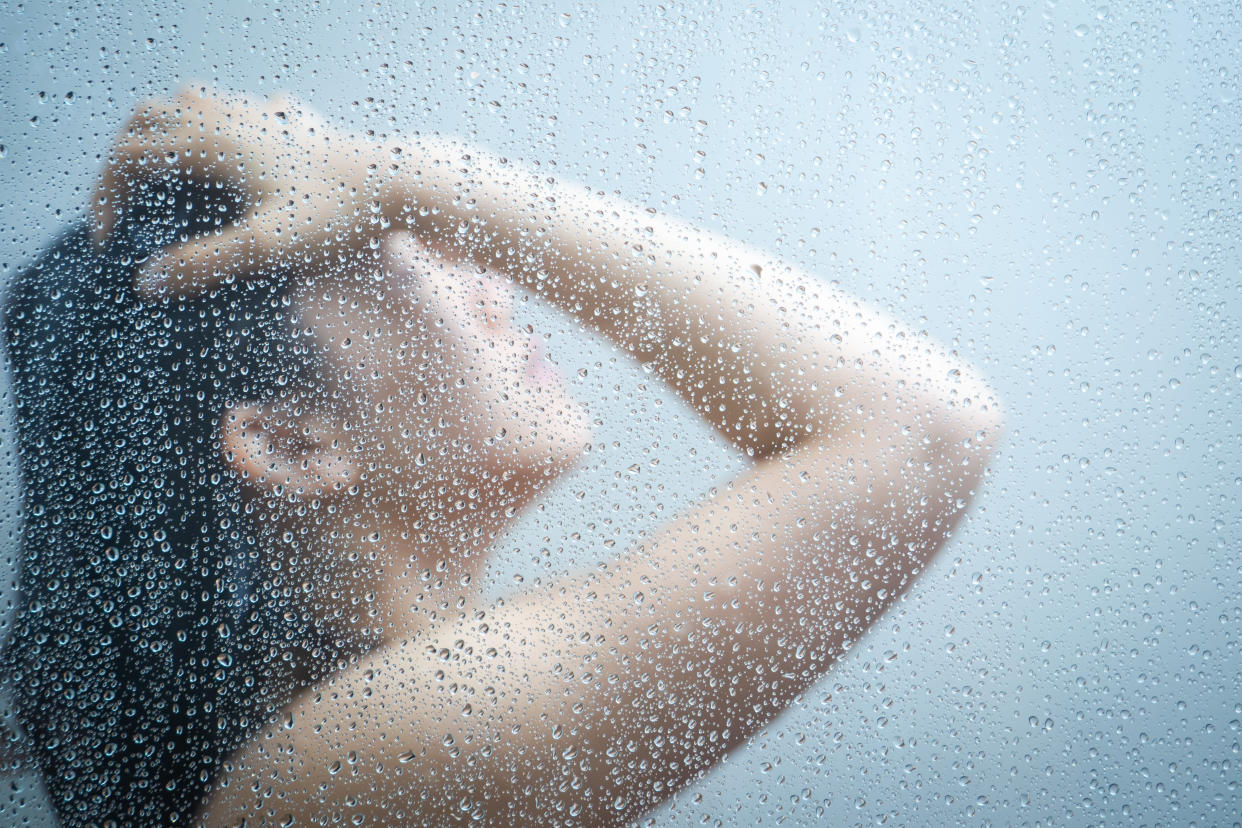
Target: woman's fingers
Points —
{"points": [[311, 194], [135, 154], [236, 251], [196, 133]]}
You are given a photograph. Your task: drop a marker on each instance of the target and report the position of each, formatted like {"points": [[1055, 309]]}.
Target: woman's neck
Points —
{"points": [[387, 575]]}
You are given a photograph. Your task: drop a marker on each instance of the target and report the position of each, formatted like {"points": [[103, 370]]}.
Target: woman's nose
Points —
{"points": [[494, 298]]}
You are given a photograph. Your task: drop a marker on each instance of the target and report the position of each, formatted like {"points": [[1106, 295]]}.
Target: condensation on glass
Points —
{"points": [[447, 500]]}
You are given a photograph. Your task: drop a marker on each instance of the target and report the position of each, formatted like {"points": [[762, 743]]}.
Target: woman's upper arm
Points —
{"points": [[638, 678], [600, 695]]}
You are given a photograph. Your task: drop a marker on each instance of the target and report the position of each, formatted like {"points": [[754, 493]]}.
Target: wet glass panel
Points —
{"points": [[644, 414]]}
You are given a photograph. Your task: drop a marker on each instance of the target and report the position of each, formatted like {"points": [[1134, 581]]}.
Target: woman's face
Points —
{"points": [[439, 389]]}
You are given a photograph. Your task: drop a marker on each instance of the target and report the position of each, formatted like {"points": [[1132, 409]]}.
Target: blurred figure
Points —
{"points": [[274, 414]]}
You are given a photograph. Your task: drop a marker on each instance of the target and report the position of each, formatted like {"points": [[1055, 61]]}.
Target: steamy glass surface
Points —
{"points": [[1051, 190]]}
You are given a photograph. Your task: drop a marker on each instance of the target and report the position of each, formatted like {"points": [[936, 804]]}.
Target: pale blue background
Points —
{"points": [[1052, 188]]}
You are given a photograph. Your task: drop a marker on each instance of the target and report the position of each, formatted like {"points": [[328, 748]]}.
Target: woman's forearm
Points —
{"points": [[767, 354]]}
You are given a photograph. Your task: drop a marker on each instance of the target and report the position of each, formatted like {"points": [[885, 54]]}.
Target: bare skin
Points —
{"points": [[591, 699]]}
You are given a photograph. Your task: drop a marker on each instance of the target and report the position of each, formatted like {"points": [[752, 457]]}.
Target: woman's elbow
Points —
{"points": [[973, 415]]}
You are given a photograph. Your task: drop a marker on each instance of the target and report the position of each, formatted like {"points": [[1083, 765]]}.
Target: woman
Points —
{"points": [[401, 420]]}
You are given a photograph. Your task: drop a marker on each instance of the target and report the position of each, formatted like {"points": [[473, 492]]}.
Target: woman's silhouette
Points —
{"points": [[372, 419]]}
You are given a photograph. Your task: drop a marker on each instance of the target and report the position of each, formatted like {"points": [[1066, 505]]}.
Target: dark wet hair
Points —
{"points": [[143, 650]]}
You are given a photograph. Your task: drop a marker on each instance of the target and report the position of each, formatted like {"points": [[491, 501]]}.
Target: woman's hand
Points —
{"points": [[313, 193]]}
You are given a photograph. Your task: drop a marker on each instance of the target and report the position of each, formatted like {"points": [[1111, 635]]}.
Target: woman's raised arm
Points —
{"points": [[768, 355]]}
